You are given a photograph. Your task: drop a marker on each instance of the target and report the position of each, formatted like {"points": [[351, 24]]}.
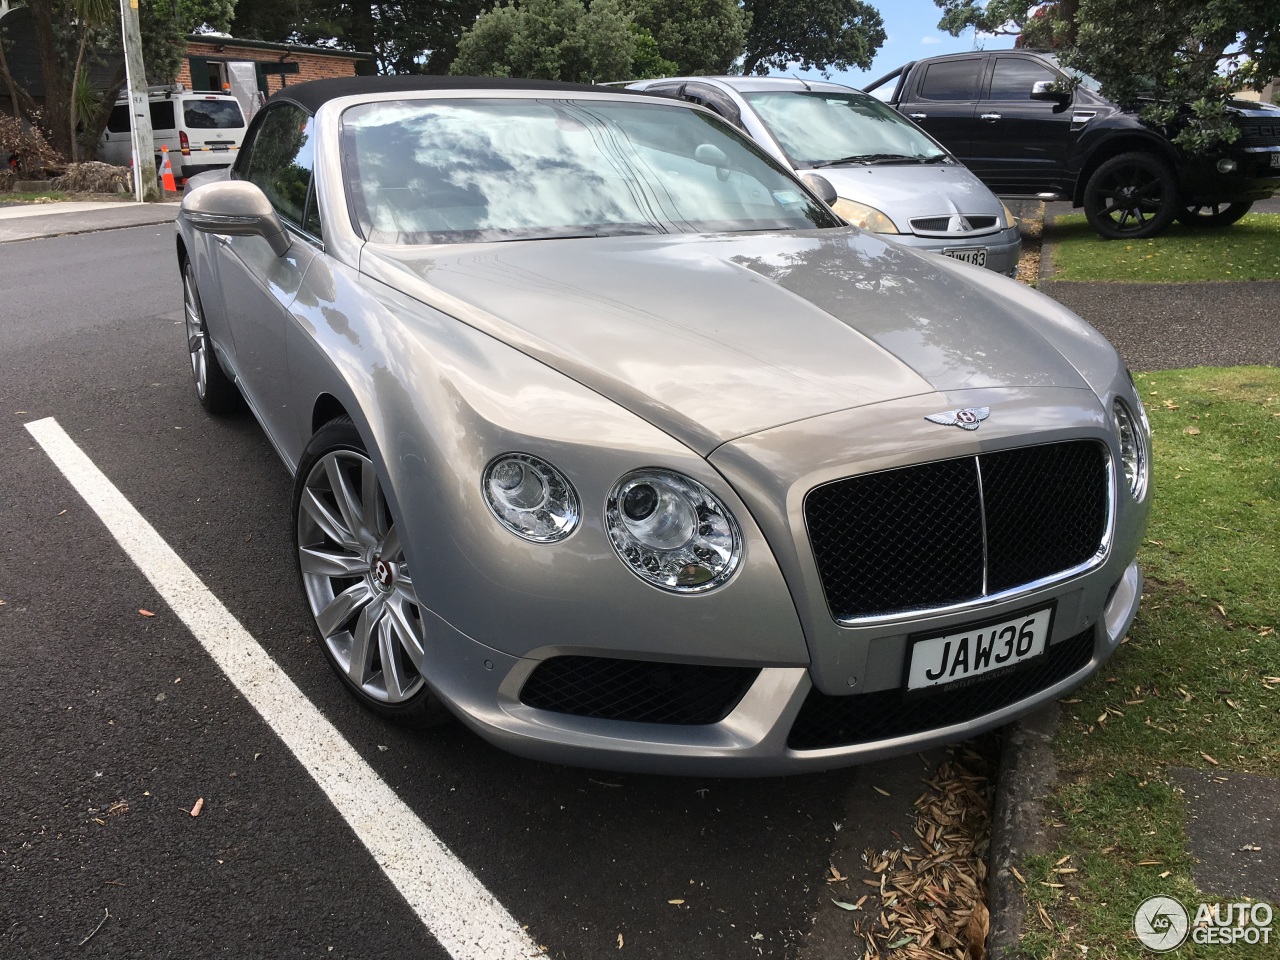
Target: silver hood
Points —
{"points": [[712, 338], [907, 191]]}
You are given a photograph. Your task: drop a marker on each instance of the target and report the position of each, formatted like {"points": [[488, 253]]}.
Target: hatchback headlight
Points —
{"points": [[530, 497], [1009, 219], [864, 217], [1133, 433], [672, 532]]}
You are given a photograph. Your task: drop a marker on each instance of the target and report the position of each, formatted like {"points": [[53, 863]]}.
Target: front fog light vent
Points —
{"points": [[672, 532], [530, 497]]}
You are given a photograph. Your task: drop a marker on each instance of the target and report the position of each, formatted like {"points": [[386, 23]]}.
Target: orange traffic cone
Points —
{"points": [[166, 172]]}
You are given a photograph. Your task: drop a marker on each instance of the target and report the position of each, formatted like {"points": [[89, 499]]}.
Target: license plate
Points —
{"points": [[1275, 159], [218, 146], [962, 655], [975, 255]]}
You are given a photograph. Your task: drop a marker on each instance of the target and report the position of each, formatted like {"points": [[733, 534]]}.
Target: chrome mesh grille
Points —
{"points": [[951, 531]]}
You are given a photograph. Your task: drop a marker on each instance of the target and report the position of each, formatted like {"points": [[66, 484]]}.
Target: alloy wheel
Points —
{"points": [[197, 339], [356, 578]]}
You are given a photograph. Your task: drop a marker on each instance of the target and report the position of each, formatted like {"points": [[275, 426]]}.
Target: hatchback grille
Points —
{"points": [[952, 531], [941, 224], [827, 721], [637, 690]]}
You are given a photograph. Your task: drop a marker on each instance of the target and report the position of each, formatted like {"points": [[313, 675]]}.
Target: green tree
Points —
{"points": [[549, 40], [72, 35], [811, 34], [1176, 61], [648, 62], [1037, 25], [405, 36], [165, 25], [699, 36]]}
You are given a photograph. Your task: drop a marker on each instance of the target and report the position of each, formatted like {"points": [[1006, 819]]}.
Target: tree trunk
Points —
{"points": [[22, 102], [73, 106], [57, 92], [96, 121], [365, 36]]}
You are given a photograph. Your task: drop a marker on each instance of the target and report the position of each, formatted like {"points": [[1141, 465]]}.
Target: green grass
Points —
{"points": [[42, 197], [1247, 250], [1189, 682]]}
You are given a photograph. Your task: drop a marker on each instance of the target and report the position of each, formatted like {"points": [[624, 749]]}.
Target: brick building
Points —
{"points": [[276, 64]]}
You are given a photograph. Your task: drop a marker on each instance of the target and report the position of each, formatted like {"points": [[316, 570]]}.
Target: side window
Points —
{"points": [[119, 122], [1014, 77], [280, 161], [952, 80], [162, 115]]}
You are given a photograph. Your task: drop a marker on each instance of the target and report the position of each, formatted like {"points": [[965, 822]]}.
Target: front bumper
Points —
{"points": [[1254, 178], [1003, 247], [753, 739]]}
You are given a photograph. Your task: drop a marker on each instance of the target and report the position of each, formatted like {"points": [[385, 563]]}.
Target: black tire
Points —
{"points": [[214, 389], [1131, 196], [356, 582], [1213, 214]]}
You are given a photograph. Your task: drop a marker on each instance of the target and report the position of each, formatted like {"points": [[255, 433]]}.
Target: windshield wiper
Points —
{"points": [[868, 158]]}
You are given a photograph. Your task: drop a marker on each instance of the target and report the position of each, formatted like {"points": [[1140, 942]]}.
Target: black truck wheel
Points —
{"points": [[1213, 214], [1131, 196]]}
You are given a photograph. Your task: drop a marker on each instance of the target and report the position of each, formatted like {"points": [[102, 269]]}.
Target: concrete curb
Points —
{"points": [[1028, 770], [21, 223]]}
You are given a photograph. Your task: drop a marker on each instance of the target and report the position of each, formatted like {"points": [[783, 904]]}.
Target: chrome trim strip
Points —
{"points": [[982, 512], [1097, 560]]}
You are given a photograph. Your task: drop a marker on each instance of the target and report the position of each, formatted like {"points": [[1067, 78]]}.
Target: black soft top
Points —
{"points": [[315, 93]]}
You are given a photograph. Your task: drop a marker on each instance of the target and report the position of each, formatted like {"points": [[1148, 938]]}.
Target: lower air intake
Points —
{"points": [[643, 691]]}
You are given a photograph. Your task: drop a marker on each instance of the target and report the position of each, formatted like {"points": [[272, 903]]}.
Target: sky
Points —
{"points": [[912, 26]]}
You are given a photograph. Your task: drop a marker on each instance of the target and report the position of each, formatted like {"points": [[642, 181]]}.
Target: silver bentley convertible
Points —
{"points": [[611, 440]]}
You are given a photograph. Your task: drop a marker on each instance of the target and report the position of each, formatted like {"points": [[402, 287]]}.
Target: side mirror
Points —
{"points": [[822, 187], [1048, 90], [235, 208], [713, 156]]}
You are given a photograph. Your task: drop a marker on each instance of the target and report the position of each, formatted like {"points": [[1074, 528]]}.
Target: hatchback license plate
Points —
{"points": [[975, 255], [1275, 159], [969, 652]]}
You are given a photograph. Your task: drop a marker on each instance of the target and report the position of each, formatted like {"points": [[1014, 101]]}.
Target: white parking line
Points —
{"points": [[455, 906]]}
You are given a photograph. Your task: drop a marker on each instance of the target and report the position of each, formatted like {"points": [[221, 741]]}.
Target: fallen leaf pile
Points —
{"points": [[934, 896], [1029, 263]]}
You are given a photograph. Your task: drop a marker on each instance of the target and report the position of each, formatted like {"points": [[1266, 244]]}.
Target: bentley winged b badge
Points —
{"points": [[966, 418]]}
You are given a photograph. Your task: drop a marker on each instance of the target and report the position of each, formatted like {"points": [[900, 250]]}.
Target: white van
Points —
{"points": [[203, 131]]}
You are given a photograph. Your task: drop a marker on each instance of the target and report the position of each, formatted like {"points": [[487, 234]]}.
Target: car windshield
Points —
{"points": [[822, 127], [457, 171], [212, 114]]}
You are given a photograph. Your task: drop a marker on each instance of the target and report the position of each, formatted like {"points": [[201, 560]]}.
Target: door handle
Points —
{"points": [[990, 117], [918, 116]]}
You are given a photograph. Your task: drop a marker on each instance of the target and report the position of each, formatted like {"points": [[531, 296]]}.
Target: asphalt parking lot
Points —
{"points": [[120, 725]]}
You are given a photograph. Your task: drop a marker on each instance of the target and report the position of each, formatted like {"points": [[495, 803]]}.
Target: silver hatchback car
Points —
{"points": [[612, 441], [890, 176]]}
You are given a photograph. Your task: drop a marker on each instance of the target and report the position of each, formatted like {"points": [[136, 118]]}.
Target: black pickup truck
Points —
{"points": [[1028, 127]]}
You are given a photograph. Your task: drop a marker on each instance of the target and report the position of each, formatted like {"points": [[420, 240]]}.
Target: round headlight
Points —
{"points": [[1132, 433], [672, 532], [530, 497]]}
